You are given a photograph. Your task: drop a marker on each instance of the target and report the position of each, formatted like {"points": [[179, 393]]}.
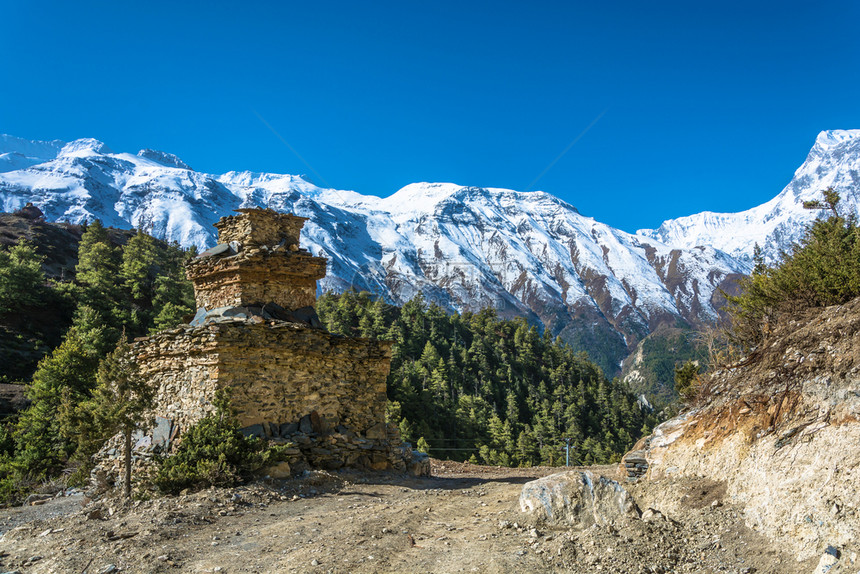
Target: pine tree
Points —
{"points": [[69, 371], [122, 401], [22, 281], [97, 272], [422, 445], [686, 377]]}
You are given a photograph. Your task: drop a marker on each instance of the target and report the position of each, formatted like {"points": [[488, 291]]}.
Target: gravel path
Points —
{"points": [[463, 519]]}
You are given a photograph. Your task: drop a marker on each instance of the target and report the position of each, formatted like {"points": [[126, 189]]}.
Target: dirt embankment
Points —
{"points": [[465, 518], [782, 430]]}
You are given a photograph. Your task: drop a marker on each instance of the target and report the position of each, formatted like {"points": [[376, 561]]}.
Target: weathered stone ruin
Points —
{"points": [[257, 261], [256, 332]]}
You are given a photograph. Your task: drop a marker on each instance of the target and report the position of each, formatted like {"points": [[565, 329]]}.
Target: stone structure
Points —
{"points": [[256, 332], [257, 260]]}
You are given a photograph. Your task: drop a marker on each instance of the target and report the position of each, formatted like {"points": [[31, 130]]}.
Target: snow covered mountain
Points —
{"points": [[18, 153], [464, 248], [834, 161]]}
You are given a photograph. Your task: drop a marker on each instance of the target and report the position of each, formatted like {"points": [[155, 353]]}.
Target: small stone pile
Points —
{"points": [[634, 464]]}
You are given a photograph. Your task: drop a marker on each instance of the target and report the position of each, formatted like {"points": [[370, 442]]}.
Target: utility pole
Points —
{"points": [[567, 451]]}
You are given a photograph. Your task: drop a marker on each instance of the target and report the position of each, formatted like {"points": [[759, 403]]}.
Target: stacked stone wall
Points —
{"points": [[278, 373], [182, 364], [257, 275], [282, 372], [260, 227]]}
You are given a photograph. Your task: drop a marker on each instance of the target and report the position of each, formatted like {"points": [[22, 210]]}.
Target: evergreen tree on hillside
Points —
{"points": [[822, 269], [33, 314], [97, 275], [22, 281], [137, 287], [67, 374], [474, 385], [121, 402]]}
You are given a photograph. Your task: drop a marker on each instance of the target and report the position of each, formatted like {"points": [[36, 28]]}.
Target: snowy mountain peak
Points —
{"points": [[18, 153], [164, 158], [84, 147], [256, 178], [833, 161], [830, 138], [421, 196], [30, 148]]}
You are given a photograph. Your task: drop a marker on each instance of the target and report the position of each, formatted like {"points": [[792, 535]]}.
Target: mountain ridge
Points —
{"points": [[833, 161], [462, 247]]}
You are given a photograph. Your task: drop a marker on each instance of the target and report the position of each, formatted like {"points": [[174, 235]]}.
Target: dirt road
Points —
{"points": [[463, 519]]}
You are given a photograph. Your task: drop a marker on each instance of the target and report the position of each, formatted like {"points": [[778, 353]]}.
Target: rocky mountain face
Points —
{"points": [[464, 248], [834, 161], [780, 430]]}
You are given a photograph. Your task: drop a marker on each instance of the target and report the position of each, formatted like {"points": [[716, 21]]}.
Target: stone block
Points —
{"points": [[162, 432], [305, 425], [301, 439], [254, 430], [317, 423], [280, 470], [332, 464], [377, 432]]}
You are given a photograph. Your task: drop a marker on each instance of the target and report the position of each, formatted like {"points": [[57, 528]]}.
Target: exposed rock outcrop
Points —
{"points": [[782, 430]]}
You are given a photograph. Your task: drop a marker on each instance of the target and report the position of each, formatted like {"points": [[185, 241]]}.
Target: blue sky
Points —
{"points": [[701, 105]]}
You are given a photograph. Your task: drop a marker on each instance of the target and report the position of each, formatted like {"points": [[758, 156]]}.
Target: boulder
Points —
{"points": [[30, 211], [419, 465], [279, 470], [577, 499], [828, 561]]}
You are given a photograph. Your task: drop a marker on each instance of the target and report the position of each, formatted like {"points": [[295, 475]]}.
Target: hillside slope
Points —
{"points": [[781, 430]]}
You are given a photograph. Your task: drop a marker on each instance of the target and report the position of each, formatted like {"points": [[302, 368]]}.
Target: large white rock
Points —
{"points": [[578, 499]]}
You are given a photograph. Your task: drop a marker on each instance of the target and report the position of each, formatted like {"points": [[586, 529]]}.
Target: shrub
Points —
{"points": [[822, 269], [422, 446], [687, 380], [214, 452]]}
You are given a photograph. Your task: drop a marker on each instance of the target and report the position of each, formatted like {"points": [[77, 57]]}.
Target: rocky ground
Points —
{"points": [[464, 518]]}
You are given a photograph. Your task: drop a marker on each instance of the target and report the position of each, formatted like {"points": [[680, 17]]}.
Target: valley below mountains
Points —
{"points": [[464, 248]]}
